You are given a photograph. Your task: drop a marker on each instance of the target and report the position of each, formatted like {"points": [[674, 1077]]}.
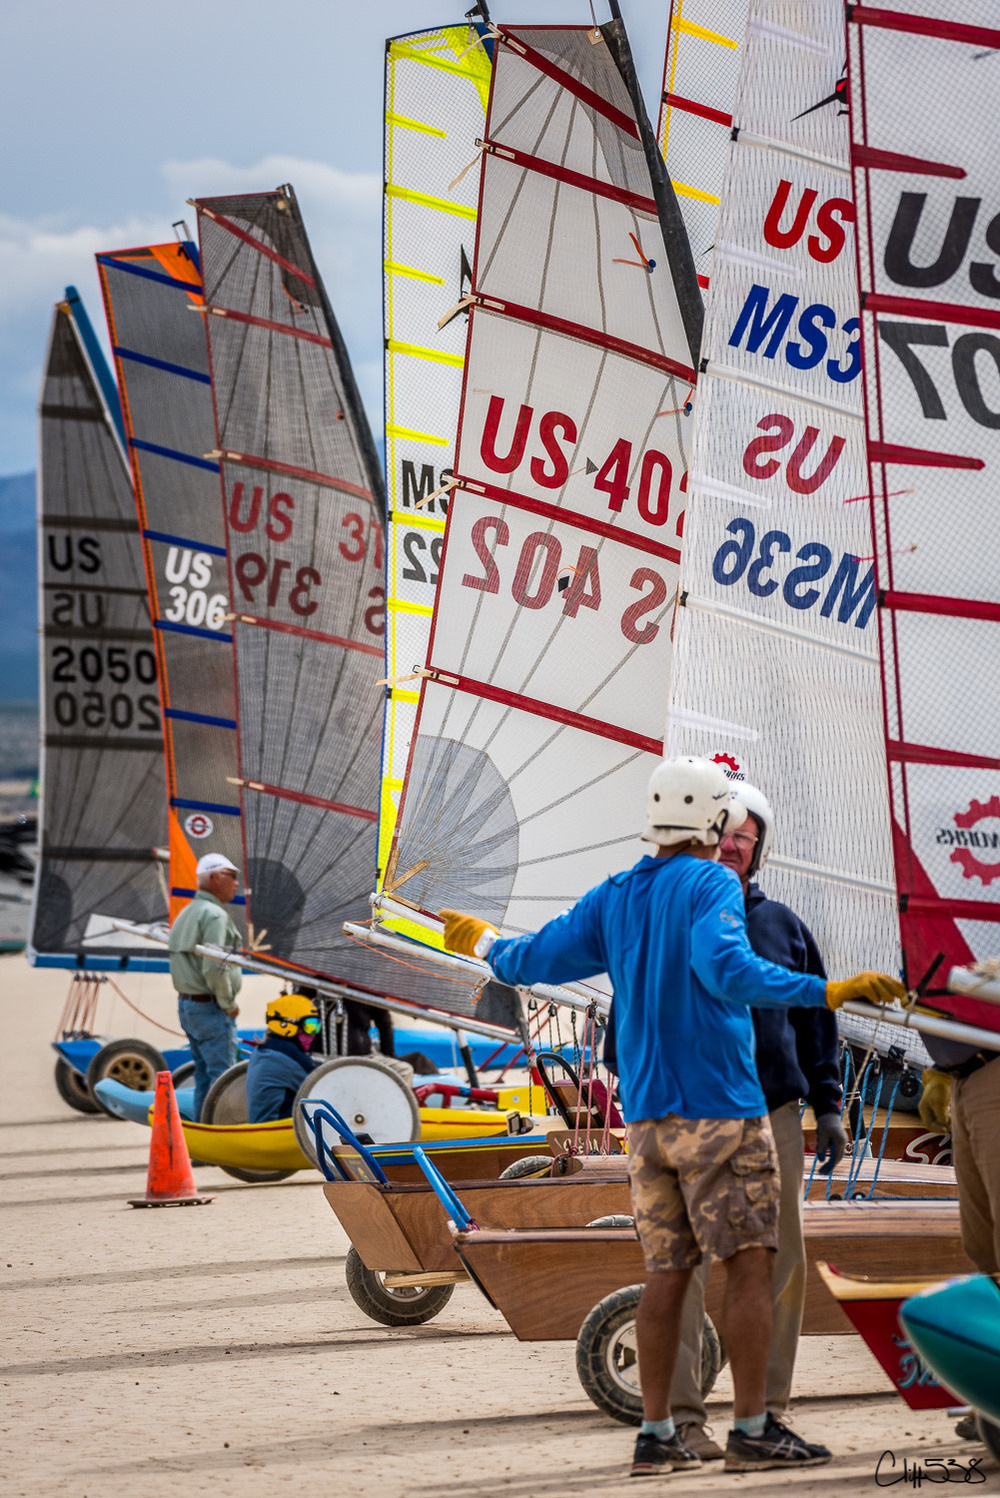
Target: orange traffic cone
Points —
{"points": [[170, 1182]]}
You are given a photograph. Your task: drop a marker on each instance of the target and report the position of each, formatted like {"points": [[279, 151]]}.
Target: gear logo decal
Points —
{"points": [[730, 765], [976, 846]]}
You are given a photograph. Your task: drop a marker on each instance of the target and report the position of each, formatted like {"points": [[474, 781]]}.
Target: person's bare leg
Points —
{"points": [[657, 1336], [747, 1327]]}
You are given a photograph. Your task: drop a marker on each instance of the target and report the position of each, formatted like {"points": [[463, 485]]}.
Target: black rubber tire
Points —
{"points": [[990, 1436], [183, 1076], [409, 1307], [226, 1103], [607, 1361], [529, 1165], [71, 1086], [134, 1063]]}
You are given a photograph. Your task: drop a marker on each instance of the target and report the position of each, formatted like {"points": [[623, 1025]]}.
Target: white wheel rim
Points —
{"points": [[622, 1359]]}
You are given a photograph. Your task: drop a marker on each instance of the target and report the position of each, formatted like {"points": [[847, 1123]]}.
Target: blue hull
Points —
{"points": [[955, 1327]]}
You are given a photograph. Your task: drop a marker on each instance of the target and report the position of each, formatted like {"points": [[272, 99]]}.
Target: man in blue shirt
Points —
{"points": [[671, 933]]}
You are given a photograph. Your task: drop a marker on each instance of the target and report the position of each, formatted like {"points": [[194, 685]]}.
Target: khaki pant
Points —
{"points": [[975, 1142], [789, 1288]]}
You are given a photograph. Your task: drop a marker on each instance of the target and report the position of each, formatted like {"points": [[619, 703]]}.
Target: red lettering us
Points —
{"points": [[279, 508], [781, 431], [830, 219]]}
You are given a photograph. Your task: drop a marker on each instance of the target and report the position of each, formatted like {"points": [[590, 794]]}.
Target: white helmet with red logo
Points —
{"points": [[691, 801], [762, 811]]}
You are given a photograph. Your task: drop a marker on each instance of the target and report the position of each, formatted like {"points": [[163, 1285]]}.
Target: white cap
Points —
{"points": [[212, 863]]}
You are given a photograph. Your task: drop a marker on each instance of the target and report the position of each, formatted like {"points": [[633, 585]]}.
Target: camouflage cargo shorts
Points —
{"points": [[702, 1188]]}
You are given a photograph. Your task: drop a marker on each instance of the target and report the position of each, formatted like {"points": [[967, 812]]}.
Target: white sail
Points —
{"points": [[436, 88], [923, 105], [776, 654], [550, 648], [700, 74]]}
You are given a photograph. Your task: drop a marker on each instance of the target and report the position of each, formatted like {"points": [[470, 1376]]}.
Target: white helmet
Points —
{"points": [[691, 801], [759, 807]]}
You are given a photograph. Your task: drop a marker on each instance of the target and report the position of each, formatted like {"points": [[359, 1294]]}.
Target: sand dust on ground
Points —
{"points": [[215, 1350]]}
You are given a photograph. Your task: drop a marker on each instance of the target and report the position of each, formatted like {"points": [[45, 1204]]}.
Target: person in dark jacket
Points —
{"points": [[278, 1068], [798, 1057]]}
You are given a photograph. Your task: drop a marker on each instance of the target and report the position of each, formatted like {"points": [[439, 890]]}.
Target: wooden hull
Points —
{"points": [[545, 1283], [405, 1228]]}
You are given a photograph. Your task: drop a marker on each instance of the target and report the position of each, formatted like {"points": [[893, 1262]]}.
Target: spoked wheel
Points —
{"points": [[530, 1165], [607, 1359], [72, 1088], [133, 1063], [410, 1305], [990, 1435], [226, 1103]]}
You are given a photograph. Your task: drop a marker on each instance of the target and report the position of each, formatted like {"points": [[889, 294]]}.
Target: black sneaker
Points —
{"points": [[815, 1447], [653, 1456], [968, 1428], [776, 1446]]}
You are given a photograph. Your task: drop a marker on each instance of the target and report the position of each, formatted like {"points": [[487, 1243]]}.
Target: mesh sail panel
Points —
{"points": [[161, 356], [304, 511], [103, 808], [926, 180], [775, 652], [550, 649], [700, 73], [436, 88]]}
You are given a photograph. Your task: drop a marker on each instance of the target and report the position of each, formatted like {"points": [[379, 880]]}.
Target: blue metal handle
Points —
{"points": [[443, 1191], [316, 1114]]}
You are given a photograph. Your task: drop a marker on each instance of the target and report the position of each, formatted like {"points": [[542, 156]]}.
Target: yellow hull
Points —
{"points": [[273, 1146]]}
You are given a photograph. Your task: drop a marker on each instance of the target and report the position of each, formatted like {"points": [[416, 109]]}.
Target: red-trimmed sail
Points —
{"points": [[550, 650], [304, 513], [923, 91]]}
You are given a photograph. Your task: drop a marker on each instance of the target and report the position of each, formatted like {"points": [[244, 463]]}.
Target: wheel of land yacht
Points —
{"points": [[607, 1361], [133, 1063], [72, 1088], [531, 1165], [409, 1305], [226, 1103], [990, 1435], [370, 1096]]}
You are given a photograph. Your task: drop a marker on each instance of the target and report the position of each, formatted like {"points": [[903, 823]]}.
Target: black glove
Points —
{"points": [[831, 1139]]}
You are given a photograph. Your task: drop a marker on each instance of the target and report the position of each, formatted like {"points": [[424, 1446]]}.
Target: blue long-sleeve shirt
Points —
{"points": [[275, 1072], [671, 933]]}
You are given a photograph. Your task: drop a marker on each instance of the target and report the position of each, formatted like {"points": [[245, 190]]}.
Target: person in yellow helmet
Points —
{"points": [[278, 1068]]}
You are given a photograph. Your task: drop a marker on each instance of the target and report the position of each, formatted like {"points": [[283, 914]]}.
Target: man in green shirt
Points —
{"points": [[206, 990]]}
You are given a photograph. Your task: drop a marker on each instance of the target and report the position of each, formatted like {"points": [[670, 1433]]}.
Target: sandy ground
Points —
{"points": [[216, 1349]]}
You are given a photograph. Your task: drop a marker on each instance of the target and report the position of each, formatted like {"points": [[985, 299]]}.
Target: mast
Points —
{"points": [[102, 813], [152, 296], [542, 709], [925, 175], [775, 649], [305, 509]]}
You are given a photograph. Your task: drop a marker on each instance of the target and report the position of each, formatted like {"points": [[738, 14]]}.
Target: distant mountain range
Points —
{"points": [[18, 589]]}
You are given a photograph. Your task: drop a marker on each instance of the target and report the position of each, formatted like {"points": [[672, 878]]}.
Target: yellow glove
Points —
{"points": [[875, 988], [935, 1104], [461, 932]]}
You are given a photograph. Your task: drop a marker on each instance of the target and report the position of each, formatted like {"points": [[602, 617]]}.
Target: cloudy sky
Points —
{"points": [[113, 113]]}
